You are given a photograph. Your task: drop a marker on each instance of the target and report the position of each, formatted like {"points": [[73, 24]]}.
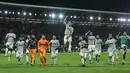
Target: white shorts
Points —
{"points": [[27, 51], [111, 52], [123, 45], [91, 48], [10, 45], [83, 52], [67, 39], [98, 51], [54, 53], [19, 54]]}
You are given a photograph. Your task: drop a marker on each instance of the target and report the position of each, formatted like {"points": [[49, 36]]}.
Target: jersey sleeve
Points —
{"points": [[6, 36], [14, 36], [128, 37], [120, 37], [101, 41], [50, 42]]}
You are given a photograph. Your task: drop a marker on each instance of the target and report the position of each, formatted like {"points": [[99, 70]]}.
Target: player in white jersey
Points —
{"points": [[98, 47], [20, 44], [54, 48], [10, 39], [83, 50], [68, 34], [91, 45], [27, 48], [111, 42]]}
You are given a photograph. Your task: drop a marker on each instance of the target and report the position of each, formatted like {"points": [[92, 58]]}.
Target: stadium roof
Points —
{"points": [[59, 8]]}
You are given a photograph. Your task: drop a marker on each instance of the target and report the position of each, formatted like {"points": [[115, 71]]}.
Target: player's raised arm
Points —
{"points": [[64, 21], [102, 42], [87, 33], [118, 35], [58, 43], [128, 37]]}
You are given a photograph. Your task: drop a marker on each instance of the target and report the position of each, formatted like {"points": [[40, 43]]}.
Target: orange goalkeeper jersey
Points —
{"points": [[43, 44]]}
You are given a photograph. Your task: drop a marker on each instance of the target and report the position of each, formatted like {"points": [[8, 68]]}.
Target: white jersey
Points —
{"points": [[20, 45], [10, 37], [98, 44], [91, 40], [54, 44], [82, 44], [69, 30], [111, 43]]}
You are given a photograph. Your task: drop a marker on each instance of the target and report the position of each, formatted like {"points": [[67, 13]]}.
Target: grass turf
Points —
{"points": [[66, 63]]}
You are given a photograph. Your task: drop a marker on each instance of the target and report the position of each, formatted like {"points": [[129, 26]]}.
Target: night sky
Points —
{"points": [[108, 5]]}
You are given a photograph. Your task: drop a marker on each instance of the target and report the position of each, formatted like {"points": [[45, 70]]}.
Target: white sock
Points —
{"points": [[116, 54], [6, 51], [90, 56], [122, 60], [69, 47], [112, 59], [82, 60], [26, 58], [94, 54], [9, 55], [54, 61]]}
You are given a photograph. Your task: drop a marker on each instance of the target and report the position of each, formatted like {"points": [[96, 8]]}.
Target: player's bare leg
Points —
{"points": [[9, 55], [90, 57], [69, 48], [44, 62], [65, 47], [93, 53], [113, 60], [19, 58], [116, 56], [97, 58], [83, 61], [124, 54], [54, 59], [6, 51], [27, 57]]}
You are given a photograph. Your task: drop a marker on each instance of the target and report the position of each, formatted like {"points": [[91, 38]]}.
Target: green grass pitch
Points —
{"points": [[66, 63]]}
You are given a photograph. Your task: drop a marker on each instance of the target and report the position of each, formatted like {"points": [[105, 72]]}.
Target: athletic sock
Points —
{"points": [[89, 56], [26, 58], [69, 49], [54, 61], [6, 51], [82, 60], [112, 59]]}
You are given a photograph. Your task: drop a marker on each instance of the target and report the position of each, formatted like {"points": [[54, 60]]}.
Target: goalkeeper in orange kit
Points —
{"points": [[43, 44]]}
